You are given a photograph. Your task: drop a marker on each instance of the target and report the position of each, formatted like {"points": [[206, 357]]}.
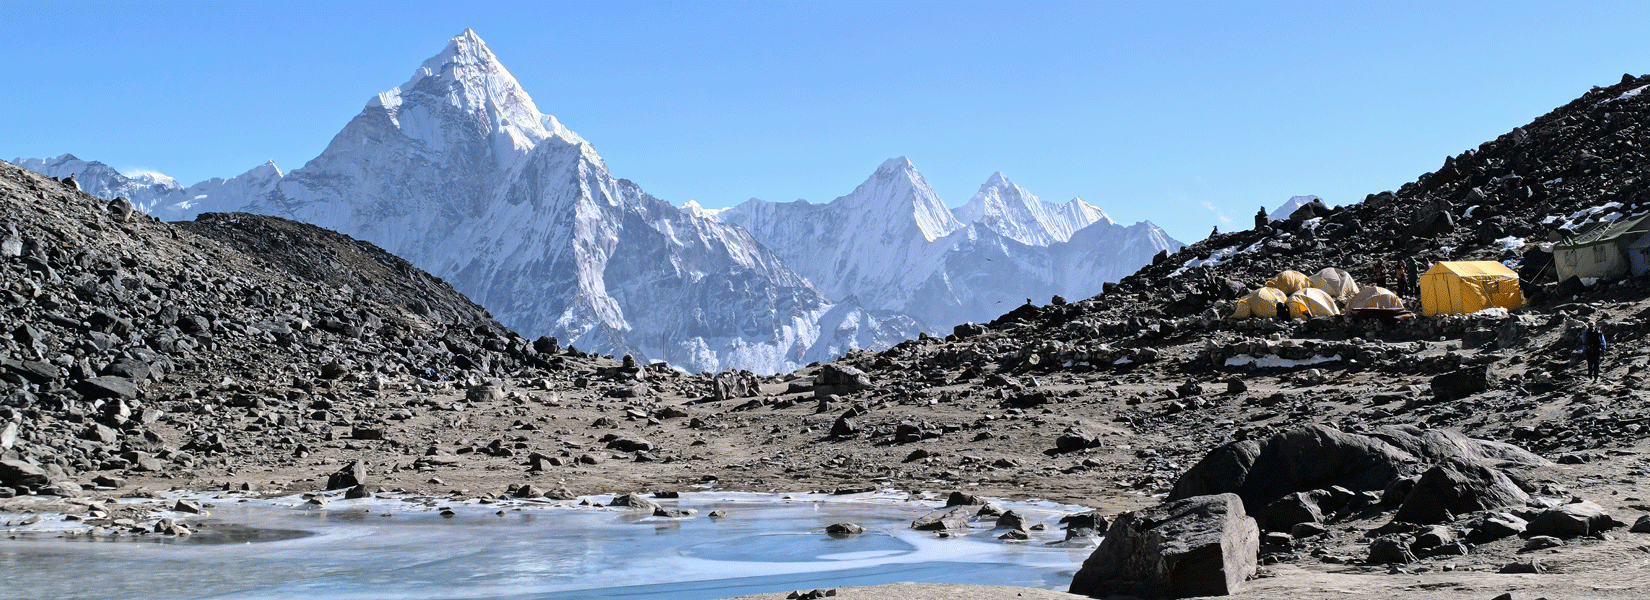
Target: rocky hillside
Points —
{"points": [[127, 341]]}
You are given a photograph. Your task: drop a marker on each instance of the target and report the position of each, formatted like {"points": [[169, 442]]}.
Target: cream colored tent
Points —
{"points": [[1336, 282], [1373, 297], [1262, 304], [1312, 302], [1460, 288], [1289, 282]]}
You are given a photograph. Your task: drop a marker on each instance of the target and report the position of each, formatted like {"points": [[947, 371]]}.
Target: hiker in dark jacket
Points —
{"points": [[1592, 345]]}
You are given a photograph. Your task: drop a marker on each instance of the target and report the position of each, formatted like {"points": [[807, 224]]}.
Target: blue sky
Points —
{"points": [[1182, 113]]}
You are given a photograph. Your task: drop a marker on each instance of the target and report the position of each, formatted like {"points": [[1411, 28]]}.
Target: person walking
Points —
{"points": [[1592, 346]]}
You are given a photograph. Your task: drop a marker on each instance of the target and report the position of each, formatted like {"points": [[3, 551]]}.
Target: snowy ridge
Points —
{"points": [[885, 246], [155, 193], [1012, 211]]}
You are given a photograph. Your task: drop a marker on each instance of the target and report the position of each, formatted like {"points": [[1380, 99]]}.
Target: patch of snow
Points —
{"points": [[1273, 360], [1494, 312], [1510, 243], [1215, 258], [1467, 214], [1629, 93]]}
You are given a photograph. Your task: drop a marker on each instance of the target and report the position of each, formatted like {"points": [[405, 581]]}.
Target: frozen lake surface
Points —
{"points": [[392, 548]]}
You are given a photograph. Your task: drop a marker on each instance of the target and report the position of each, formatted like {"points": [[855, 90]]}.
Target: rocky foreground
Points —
{"points": [[1458, 456]]}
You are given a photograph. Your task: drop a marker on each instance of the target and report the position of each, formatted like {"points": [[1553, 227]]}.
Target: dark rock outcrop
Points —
{"points": [[1199, 546]]}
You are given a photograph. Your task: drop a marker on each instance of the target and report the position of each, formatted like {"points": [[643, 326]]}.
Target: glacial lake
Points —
{"points": [[391, 549]]}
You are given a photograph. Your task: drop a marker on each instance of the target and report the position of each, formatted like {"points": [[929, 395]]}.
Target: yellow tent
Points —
{"points": [[1289, 282], [1259, 304], [1312, 302], [1458, 288]]}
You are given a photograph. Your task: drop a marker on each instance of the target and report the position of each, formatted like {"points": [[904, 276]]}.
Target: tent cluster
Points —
{"points": [[1329, 292], [1446, 288]]}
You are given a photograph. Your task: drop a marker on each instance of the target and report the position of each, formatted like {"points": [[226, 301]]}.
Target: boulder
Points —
{"points": [[1198, 546], [1290, 510], [1074, 439], [1297, 460], [1012, 520], [630, 444], [1571, 520], [1455, 385], [1495, 526], [351, 475], [946, 519], [839, 379], [107, 386], [844, 529], [634, 501], [1390, 549], [19, 474], [1457, 487]]}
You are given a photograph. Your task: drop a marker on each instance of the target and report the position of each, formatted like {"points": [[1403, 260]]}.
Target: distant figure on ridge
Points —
{"points": [[1260, 218], [1592, 345]]}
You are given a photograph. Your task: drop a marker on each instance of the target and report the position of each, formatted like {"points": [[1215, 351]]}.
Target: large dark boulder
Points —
{"points": [[19, 474], [108, 386], [1458, 486], [353, 474], [839, 379], [1199, 546], [1298, 460], [1455, 385]]}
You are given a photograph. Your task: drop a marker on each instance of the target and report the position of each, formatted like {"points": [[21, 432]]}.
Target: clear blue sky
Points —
{"points": [[1174, 112]]}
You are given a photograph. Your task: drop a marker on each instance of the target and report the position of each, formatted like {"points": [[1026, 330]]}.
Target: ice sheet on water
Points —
{"points": [[405, 548]]}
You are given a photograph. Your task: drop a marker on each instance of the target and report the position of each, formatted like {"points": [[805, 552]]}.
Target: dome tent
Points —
{"points": [[1373, 297], [1262, 303], [1289, 282], [1312, 302], [1336, 282]]}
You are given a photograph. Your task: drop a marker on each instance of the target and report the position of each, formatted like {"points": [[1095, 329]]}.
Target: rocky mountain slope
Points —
{"points": [[893, 245]]}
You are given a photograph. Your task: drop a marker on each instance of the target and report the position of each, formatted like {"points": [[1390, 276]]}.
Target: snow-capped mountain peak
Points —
{"points": [[152, 178], [1010, 210], [469, 77], [896, 197]]}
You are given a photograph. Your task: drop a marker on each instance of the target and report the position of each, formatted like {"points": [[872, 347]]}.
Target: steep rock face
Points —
{"points": [[889, 246], [458, 171]]}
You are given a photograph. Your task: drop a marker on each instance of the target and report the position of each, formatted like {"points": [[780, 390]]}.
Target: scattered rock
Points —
{"points": [[1198, 546]]}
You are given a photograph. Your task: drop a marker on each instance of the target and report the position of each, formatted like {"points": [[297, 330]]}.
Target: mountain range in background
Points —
{"points": [[458, 172]]}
